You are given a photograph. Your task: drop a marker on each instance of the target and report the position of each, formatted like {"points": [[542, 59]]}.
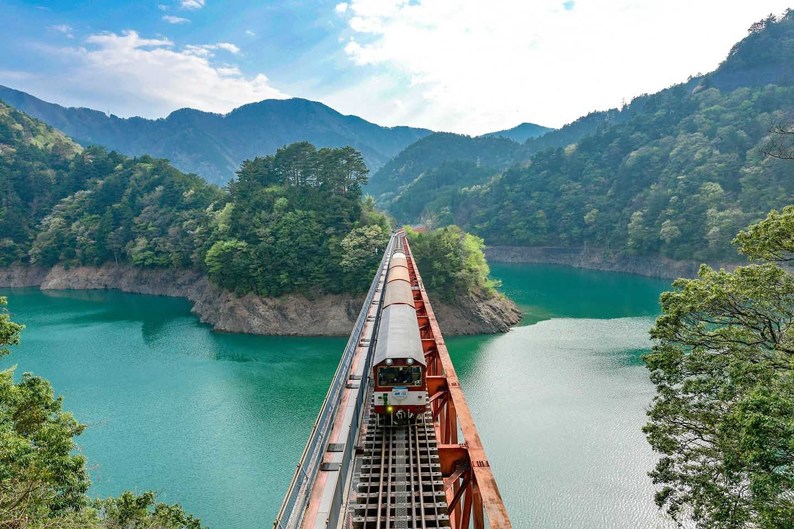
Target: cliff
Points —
{"points": [[599, 259], [328, 315]]}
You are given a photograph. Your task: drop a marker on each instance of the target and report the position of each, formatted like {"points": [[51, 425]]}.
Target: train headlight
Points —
{"points": [[410, 361], [389, 361]]}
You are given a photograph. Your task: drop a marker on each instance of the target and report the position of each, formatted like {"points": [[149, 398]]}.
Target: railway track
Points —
{"points": [[398, 478]]}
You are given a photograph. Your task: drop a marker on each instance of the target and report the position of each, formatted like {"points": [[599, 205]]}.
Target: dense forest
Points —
{"points": [[294, 221], [676, 173]]}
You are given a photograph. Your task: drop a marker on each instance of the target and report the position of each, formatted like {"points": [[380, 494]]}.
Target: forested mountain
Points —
{"points": [[434, 150], [214, 145], [426, 158], [35, 173], [290, 222], [520, 133], [676, 173]]}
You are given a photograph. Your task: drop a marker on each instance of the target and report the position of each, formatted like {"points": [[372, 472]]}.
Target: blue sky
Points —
{"points": [[468, 66]]}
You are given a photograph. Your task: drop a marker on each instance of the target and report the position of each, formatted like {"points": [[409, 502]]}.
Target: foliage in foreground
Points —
{"points": [[452, 262], [43, 481], [723, 366]]}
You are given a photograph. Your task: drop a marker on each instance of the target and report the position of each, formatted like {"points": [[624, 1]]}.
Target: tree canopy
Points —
{"points": [[723, 366], [289, 222], [452, 262]]}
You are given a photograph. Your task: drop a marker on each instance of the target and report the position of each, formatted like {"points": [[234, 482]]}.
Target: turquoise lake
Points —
{"points": [[217, 421]]}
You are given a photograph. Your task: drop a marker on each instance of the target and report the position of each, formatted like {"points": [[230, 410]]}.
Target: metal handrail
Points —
{"points": [[296, 499]]}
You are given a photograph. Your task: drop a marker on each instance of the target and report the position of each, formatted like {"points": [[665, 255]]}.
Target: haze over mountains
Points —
{"points": [[214, 145]]}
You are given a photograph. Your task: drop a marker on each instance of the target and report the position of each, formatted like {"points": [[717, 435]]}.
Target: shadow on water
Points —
{"points": [[89, 307]]}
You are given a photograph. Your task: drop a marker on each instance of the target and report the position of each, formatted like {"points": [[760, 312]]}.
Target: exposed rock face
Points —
{"points": [[328, 315], [599, 259], [470, 315]]}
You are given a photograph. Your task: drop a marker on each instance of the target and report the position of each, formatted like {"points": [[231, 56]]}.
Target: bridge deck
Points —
{"points": [[358, 474], [398, 481]]}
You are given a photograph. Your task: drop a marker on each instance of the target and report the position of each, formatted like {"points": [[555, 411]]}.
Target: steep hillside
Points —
{"points": [[431, 152], [213, 145], [36, 171], [520, 133], [394, 184], [763, 57], [676, 173]]}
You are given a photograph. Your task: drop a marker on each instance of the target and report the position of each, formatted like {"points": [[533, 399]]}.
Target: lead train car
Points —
{"points": [[399, 369]]}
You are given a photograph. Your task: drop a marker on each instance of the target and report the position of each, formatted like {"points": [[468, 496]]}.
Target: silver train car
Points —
{"points": [[399, 367]]}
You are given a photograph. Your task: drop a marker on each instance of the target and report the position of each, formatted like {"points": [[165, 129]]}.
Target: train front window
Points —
{"points": [[400, 376]]}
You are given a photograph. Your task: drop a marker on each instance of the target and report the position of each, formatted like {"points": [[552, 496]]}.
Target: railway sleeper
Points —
{"points": [[366, 496], [432, 521], [426, 485]]}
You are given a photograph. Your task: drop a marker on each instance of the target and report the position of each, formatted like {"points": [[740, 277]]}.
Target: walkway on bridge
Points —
{"points": [[355, 473]]}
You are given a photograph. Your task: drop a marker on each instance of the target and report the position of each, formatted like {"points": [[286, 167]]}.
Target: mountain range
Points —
{"points": [[676, 173], [428, 180], [214, 145]]}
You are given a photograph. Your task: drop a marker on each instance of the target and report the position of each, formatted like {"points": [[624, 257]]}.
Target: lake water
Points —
{"points": [[217, 421]]}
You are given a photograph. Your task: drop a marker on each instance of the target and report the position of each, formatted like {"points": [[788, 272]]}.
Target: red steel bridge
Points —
{"points": [[356, 473]]}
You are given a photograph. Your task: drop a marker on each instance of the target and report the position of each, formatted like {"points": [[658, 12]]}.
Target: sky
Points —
{"points": [[465, 66]]}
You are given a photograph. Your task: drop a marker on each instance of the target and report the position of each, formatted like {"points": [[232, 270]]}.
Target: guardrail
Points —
{"points": [[297, 497]]}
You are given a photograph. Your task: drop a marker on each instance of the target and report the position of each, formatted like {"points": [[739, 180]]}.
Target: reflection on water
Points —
{"points": [[213, 421], [217, 421], [559, 406]]}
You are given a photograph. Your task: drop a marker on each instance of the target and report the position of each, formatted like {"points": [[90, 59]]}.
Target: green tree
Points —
{"points": [[452, 262], [723, 371], [772, 239], [9, 331]]}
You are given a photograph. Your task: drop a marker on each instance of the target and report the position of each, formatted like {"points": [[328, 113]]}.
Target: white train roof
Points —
{"points": [[398, 335]]}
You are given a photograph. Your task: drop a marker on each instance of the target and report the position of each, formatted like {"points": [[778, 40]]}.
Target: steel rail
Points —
{"points": [[465, 466], [297, 496]]}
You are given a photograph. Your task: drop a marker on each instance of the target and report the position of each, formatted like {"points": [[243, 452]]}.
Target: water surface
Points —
{"points": [[217, 421], [559, 402], [213, 421]]}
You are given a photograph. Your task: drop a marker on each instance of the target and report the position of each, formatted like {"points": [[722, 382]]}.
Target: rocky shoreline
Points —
{"points": [[297, 315], [599, 259]]}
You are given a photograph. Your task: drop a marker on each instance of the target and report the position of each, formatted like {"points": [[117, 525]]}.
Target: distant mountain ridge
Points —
{"points": [[520, 133], [424, 182], [214, 145], [676, 173]]}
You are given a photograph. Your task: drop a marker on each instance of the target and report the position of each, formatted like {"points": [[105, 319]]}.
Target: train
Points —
{"points": [[399, 368]]}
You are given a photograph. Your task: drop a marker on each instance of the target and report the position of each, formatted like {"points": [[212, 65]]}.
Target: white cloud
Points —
{"points": [[341, 7], [478, 65], [192, 4], [126, 72], [162, 7], [250, 33], [65, 29], [175, 20], [227, 46], [205, 50]]}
